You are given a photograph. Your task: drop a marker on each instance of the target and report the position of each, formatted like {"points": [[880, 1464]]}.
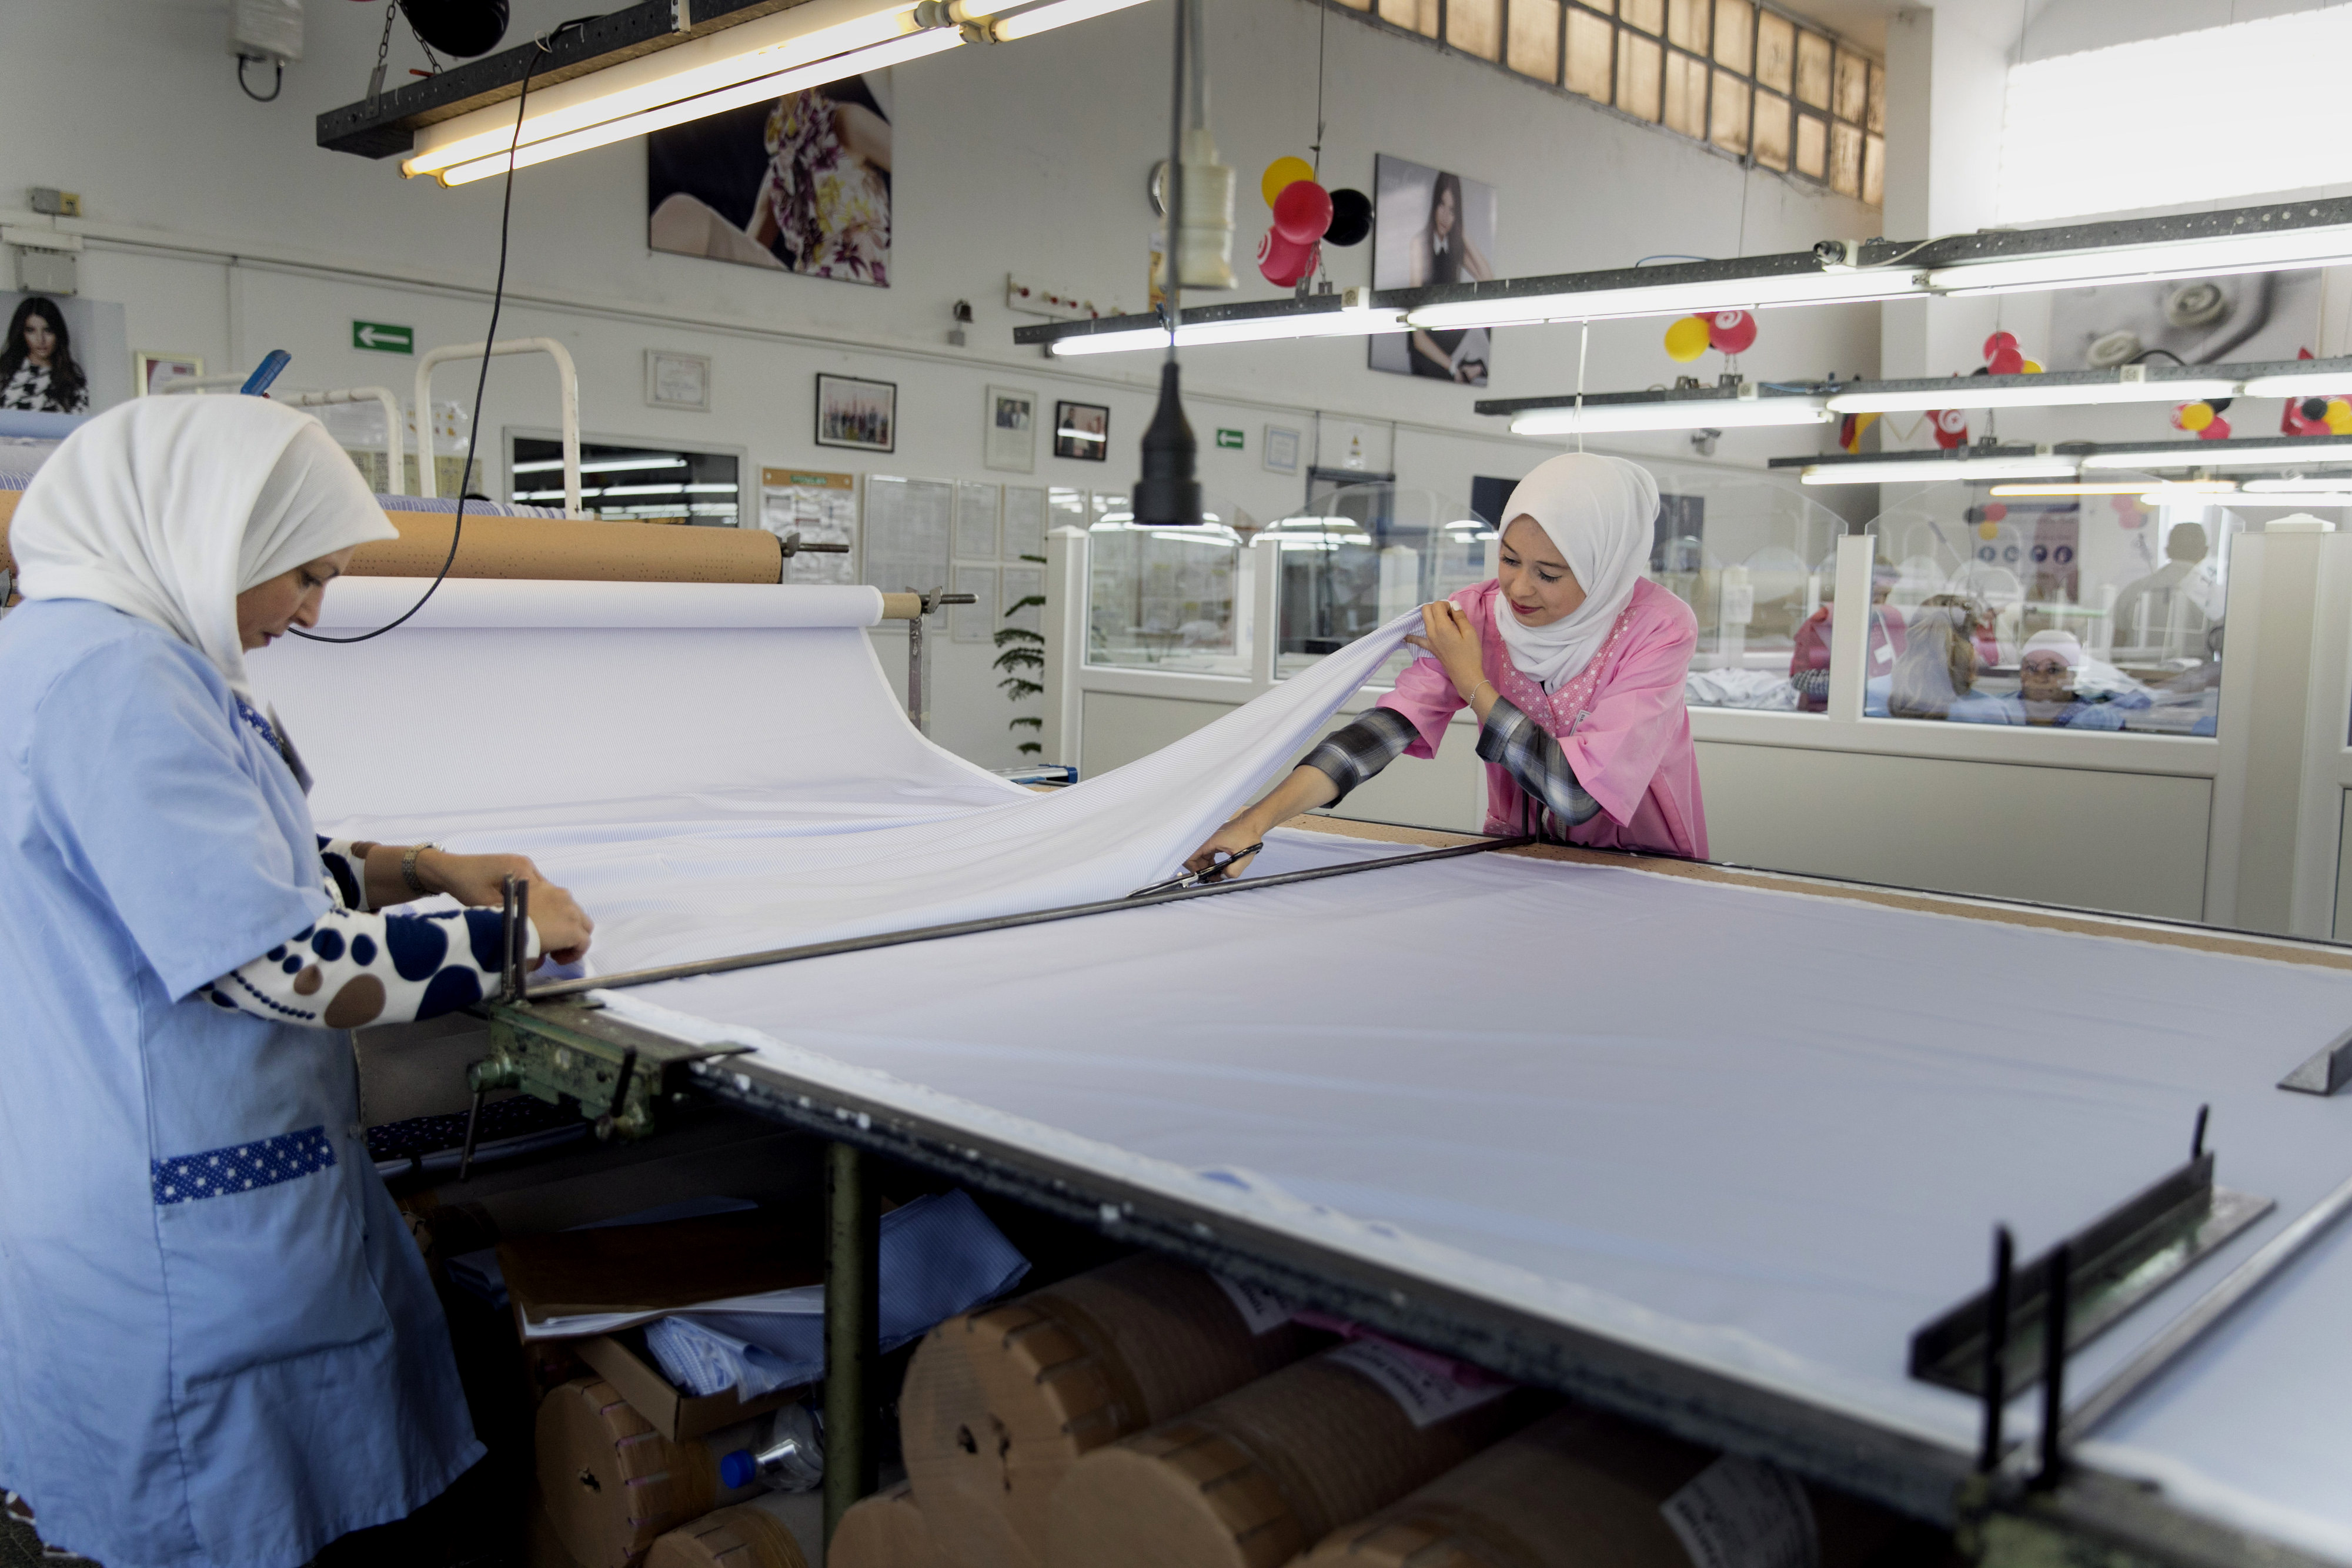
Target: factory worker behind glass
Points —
{"points": [[220, 1344], [1572, 662]]}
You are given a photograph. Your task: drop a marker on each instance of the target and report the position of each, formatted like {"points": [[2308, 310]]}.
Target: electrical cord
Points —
{"points": [[276, 85], [481, 382]]}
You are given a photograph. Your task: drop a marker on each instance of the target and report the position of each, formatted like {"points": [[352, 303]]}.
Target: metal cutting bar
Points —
{"points": [[992, 923]]}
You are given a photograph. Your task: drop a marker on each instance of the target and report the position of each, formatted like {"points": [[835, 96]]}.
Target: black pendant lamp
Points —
{"points": [[1169, 493]]}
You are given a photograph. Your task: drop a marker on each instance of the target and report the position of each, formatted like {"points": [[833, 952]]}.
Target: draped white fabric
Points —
{"points": [[714, 788]]}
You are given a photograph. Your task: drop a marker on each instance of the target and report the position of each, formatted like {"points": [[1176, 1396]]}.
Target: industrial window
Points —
{"points": [[1755, 82], [632, 484]]}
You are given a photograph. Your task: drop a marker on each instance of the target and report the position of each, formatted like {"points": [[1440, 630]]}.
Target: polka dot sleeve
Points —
{"points": [[361, 967]]}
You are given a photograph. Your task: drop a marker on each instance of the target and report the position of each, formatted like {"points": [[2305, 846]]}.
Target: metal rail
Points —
{"points": [[993, 923]]}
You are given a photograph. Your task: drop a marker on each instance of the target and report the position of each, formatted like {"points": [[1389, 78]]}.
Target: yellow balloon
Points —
{"points": [[2029, 369], [1987, 530], [2337, 405], [1686, 338], [1281, 174], [2196, 416], [2338, 423]]}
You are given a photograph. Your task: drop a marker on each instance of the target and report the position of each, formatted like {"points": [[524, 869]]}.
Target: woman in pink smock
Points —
{"points": [[1572, 662]]}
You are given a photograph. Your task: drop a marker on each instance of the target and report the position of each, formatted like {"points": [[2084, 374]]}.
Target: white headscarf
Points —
{"points": [[169, 507], [1600, 512]]}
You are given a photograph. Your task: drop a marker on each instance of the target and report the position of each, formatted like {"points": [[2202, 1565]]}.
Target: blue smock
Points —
{"points": [[221, 1347]]}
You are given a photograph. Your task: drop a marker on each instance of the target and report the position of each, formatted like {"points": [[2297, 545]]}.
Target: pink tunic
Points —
{"points": [[1622, 722]]}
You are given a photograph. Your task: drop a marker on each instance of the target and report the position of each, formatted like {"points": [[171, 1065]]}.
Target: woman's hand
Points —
{"points": [[1232, 838], [1449, 634], [1306, 788], [480, 881]]}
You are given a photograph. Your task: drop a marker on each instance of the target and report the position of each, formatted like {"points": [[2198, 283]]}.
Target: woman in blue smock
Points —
{"points": [[218, 1345]]}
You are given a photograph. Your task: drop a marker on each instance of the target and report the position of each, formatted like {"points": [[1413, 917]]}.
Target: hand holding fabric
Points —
{"points": [[1449, 636], [480, 881]]}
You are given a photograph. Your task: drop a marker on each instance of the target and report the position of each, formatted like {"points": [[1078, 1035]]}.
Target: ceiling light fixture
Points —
{"points": [[2125, 487], [1045, 18], [1719, 408], [1342, 315], [1798, 278], [2303, 378], [2132, 383], [909, 46], [2313, 233], [2300, 452], [1931, 468]]}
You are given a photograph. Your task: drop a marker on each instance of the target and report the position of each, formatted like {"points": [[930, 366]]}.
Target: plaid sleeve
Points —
{"points": [[1349, 757], [1511, 740]]}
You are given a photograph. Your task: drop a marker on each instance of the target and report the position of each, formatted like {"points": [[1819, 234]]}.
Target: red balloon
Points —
{"points": [[2006, 361], [2000, 342], [1282, 263], [2216, 431], [1995, 511], [1302, 213], [1731, 331], [1951, 427]]}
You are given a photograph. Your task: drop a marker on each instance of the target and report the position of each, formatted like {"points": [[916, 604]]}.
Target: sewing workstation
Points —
{"points": [[783, 789]]}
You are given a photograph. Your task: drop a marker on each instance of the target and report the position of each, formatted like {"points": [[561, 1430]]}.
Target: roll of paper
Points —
{"points": [[356, 604]]}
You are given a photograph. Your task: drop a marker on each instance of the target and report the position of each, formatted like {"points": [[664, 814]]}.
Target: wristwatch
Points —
{"points": [[409, 867]]}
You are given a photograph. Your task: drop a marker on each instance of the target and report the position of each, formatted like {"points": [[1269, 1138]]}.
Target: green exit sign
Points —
{"points": [[1229, 438], [383, 337]]}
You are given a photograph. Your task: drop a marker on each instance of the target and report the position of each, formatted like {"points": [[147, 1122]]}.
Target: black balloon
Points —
{"points": [[461, 28], [1352, 218], [2314, 408]]}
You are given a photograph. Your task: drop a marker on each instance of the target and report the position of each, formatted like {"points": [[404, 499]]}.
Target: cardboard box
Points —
{"points": [[621, 1360]]}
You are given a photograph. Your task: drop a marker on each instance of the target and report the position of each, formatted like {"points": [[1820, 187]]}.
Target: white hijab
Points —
{"points": [[1600, 512], [169, 507]]}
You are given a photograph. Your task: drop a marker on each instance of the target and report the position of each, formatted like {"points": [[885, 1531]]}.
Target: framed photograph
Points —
{"points": [[678, 381], [1433, 226], [861, 415], [1011, 437], [1082, 430], [1282, 449], [151, 369]]}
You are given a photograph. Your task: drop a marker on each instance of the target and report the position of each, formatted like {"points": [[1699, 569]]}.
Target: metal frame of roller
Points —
{"points": [[2089, 1517]]}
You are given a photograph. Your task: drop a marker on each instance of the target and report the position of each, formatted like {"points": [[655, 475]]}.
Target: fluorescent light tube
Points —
{"points": [[1670, 413], [1054, 14], [798, 37], [1680, 298], [2296, 498], [2186, 454], [2321, 484], [1928, 471], [898, 51], [2061, 390], [2123, 488], [1343, 323], [2219, 255], [2310, 378]]}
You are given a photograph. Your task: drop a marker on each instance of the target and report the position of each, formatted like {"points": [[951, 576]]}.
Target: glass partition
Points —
{"points": [[1162, 599], [1364, 554], [2059, 605]]}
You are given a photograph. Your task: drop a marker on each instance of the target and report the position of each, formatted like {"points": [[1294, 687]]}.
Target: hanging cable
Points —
{"points": [[276, 85], [481, 382], [1584, 343], [1322, 37]]}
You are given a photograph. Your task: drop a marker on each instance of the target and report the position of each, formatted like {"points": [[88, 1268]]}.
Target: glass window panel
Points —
{"points": [[1812, 152], [624, 484], [1163, 598], [1772, 131], [1650, 15], [1535, 39], [1845, 160], [1476, 27], [1735, 30], [1637, 75], [2092, 614], [1687, 24], [1776, 51], [1589, 39], [1813, 70], [1359, 555], [1421, 16], [1873, 171], [1727, 118], [1876, 116], [1850, 95], [1686, 101]]}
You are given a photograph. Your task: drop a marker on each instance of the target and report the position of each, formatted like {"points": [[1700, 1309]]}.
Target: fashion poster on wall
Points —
{"points": [[1429, 227], [62, 355], [799, 184]]}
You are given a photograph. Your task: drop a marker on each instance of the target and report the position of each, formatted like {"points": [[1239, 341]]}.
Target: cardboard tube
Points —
{"points": [[901, 606], [566, 549], [999, 1404], [611, 1483], [744, 1536], [1580, 1490], [886, 1530], [1255, 1479], [561, 549]]}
